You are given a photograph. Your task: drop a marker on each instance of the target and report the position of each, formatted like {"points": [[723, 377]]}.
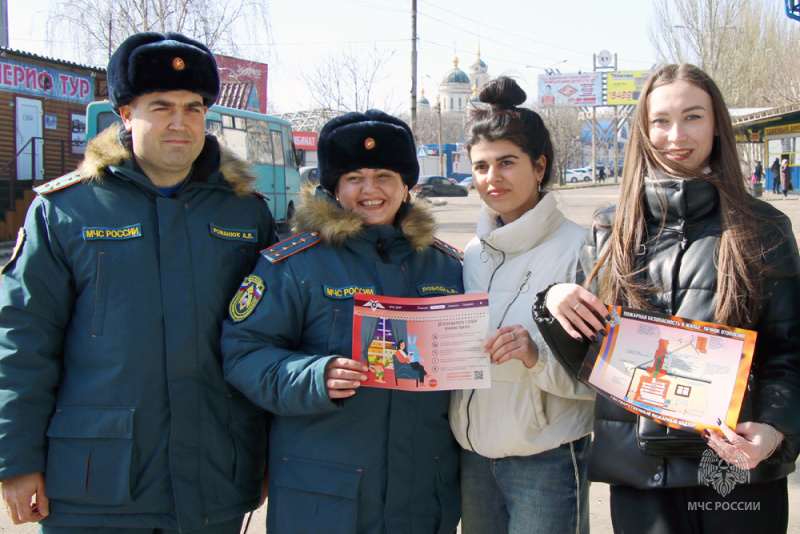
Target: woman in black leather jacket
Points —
{"points": [[687, 240]]}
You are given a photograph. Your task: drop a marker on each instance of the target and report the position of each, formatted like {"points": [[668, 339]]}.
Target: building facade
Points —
{"points": [[42, 125]]}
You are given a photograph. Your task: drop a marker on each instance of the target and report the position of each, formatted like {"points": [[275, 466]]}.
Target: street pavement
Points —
{"points": [[457, 219]]}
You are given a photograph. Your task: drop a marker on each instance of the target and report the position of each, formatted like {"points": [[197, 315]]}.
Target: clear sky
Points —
{"points": [[517, 37]]}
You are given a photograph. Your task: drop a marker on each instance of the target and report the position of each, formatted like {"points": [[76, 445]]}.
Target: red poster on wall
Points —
{"points": [[237, 70]]}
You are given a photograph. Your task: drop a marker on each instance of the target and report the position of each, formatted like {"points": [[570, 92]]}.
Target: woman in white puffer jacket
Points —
{"points": [[525, 440]]}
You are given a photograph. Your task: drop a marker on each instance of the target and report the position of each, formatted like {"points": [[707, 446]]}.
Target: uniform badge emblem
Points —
{"points": [[369, 143], [178, 64], [247, 298]]}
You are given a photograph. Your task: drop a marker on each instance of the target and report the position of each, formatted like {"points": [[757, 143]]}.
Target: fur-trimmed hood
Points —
{"points": [[319, 212], [107, 150]]}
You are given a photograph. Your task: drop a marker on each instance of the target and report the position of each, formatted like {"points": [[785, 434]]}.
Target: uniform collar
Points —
{"points": [[110, 150], [319, 212]]}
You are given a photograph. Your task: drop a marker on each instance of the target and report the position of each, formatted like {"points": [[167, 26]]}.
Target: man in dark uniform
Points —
{"points": [[114, 415]]}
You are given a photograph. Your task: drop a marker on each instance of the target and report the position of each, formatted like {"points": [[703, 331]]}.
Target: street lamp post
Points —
{"points": [[439, 118], [413, 67], [551, 70]]}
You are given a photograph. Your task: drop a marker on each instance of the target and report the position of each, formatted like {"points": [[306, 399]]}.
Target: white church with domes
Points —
{"points": [[458, 94], [457, 88]]}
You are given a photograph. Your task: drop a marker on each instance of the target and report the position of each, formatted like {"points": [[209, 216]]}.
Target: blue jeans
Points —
{"points": [[544, 493]]}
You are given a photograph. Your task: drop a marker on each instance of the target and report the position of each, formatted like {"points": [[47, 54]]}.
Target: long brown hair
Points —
{"points": [[738, 257]]}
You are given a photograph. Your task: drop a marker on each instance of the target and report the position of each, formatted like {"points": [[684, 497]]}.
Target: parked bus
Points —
{"points": [[264, 141]]}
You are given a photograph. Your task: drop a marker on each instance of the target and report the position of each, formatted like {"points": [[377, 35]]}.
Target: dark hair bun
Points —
{"points": [[502, 92]]}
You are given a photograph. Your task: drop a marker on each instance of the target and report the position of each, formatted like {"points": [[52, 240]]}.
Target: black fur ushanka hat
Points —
{"points": [[152, 62], [371, 140]]}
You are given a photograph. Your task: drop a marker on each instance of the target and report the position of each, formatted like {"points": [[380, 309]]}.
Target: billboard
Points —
{"points": [[46, 82], [305, 140], [236, 70], [571, 89], [624, 88]]}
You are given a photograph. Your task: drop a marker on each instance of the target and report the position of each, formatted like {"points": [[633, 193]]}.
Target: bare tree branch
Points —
{"points": [[345, 81], [750, 48], [95, 27]]}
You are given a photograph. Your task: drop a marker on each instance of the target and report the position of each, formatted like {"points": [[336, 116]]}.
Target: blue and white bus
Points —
{"points": [[264, 141]]}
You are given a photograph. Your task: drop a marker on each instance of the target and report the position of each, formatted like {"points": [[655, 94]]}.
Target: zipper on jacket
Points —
{"points": [[381, 248], [502, 261], [523, 288]]}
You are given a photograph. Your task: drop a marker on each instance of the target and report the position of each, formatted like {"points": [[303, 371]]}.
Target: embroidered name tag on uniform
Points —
{"points": [[126, 232], [346, 292], [248, 235], [247, 298], [435, 289]]}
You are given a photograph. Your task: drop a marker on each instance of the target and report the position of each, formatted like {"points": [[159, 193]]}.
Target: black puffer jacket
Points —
{"points": [[680, 262]]}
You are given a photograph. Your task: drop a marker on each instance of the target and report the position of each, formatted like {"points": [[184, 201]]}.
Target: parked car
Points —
{"points": [[579, 175], [308, 174], [467, 182], [439, 186]]}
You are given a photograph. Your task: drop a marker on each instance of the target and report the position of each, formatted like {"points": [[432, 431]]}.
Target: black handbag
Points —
{"points": [[656, 439]]}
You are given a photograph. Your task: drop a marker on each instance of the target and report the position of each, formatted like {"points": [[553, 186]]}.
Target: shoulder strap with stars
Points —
{"points": [[449, 249], [290, 246], [60, 183]]}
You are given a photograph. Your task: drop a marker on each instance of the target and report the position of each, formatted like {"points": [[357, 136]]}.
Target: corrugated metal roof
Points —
{"points": [[766, 114], [741, 112], [5, 51], [234, 94]]}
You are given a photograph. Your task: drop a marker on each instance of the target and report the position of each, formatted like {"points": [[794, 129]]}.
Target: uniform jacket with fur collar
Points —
{"points": [[382, 460], [526, 411], [110, 375]]}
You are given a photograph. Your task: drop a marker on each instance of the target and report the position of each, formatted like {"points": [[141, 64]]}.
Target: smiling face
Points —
{"points": [[505, 177], [168, 133], [681, 123], [375, 194]]}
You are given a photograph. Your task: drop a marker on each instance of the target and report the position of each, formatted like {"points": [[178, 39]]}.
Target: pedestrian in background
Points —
{"points": [[758, 172], [786, 177], [686, 239], [345, 458], [601, 174], [525, 440], [776, 176], [114, 412]]}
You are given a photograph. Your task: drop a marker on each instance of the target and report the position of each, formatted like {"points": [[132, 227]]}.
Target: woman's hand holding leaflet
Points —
{"points": [[577, 310], [747, 446], [512, 343], [343, 376]]}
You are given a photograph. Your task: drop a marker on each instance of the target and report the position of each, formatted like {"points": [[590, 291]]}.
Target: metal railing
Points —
{"points": [[12, 176]]}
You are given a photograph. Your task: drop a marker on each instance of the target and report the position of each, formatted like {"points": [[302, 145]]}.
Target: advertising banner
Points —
{"points": [[785, 129], [305, 140], [45, 82], [571, 89], [237, 70], [624, 88]]}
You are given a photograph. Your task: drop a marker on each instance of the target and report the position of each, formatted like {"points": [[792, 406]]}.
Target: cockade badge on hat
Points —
{"points": [[369, 143]]}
